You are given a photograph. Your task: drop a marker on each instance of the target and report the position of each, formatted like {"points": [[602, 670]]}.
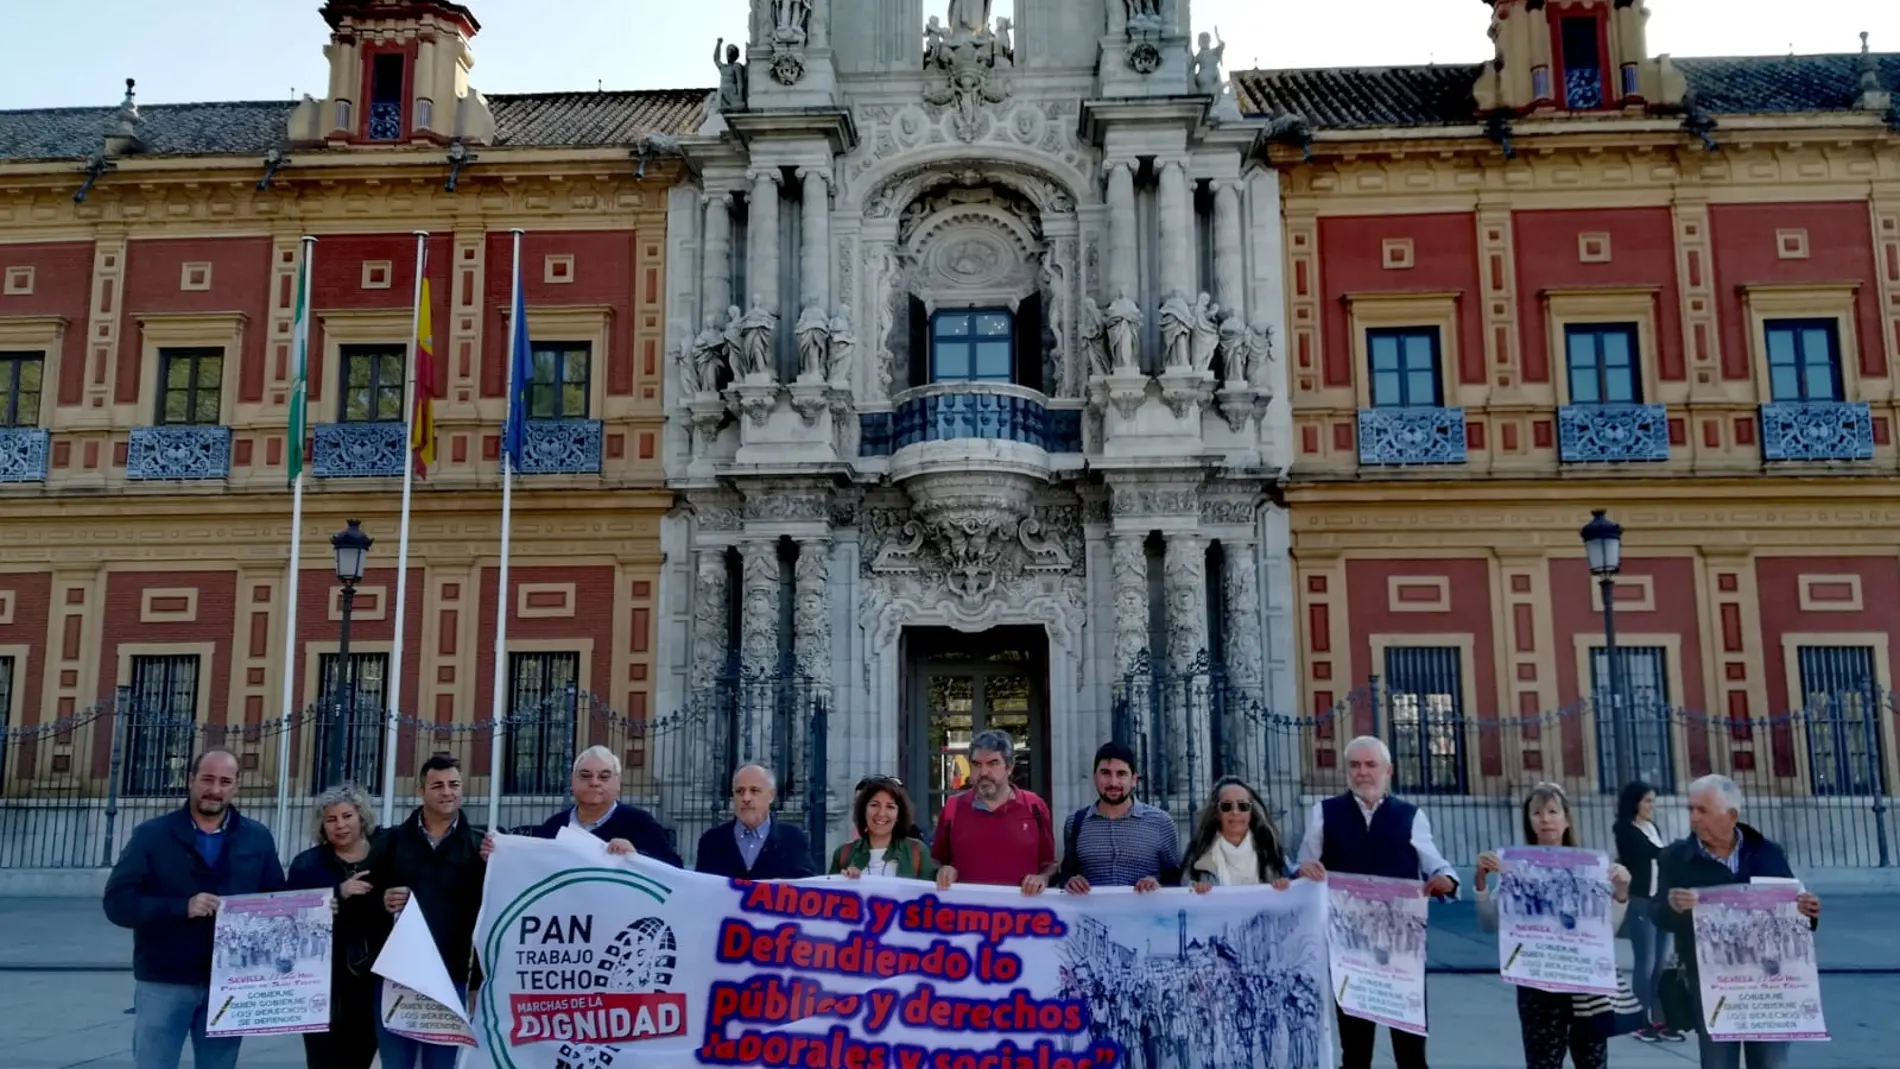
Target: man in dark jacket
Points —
{"points": [[598, 810], [1720, 850], [166, 888], [434, 859], [753, 846]]}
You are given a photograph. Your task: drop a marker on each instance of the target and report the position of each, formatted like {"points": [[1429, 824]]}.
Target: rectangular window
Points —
{"points": [[21, 379], [1404, 367], [972, 346], [1602, 362], [385, 97], [1842, 708], [1583, 64], [1425, 703], [560, 386], [1644, 699], [1804, 359], [360, 758], [161, 726], [191, 382], [541, 737], [373, 380]]}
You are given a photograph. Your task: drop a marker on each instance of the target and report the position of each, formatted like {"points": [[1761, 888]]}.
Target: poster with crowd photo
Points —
{"points": [[1554, 930], [1755, 957], [270, 964], [596, 962], [1376, 939]]}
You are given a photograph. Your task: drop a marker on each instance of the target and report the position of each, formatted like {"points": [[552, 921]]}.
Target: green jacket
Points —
{"points": [[910, 858]]}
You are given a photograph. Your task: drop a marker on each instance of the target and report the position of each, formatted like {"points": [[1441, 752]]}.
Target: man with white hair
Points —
{"points": [[753, 846], [598, 810], [1720, 850], [1368, 832]]}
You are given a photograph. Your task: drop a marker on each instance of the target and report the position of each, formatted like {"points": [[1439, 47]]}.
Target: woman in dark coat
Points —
{"points": [[1638, 844], [346, 838]]}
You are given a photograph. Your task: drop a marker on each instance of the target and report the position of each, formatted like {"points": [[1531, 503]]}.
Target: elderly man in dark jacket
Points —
{"points": [[166, 888], [435, 860], [1720, 850]]}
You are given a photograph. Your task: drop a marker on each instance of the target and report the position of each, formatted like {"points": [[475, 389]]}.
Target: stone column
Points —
{"points": [[811, 643], [716, 279], [1123, 239], [1187, 705], [815, 237], [1128, 556], [1244, 718], [758, 648], [1230, 283], [1177, 232], [712, 621], [762, 239]]}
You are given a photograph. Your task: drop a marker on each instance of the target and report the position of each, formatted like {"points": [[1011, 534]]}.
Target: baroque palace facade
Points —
{"points": [[940, 371]]}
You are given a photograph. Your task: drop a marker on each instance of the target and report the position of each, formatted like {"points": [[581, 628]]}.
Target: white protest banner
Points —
{"points": [[1376, 932], [1755, 959], [1554, 931], [270, 964], [596, 962], [419, 1001]]}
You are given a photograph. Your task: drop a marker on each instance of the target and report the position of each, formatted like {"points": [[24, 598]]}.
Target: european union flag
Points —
{"points": [[514, 438]]}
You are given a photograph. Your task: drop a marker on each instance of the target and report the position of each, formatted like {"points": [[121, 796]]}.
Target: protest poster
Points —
{"points": [[419, 1001], [270, 964], [1554, 931], [1755, 959], [1376, 940], [596, 962]]}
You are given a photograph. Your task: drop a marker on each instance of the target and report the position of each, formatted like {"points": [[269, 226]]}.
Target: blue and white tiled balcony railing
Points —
{"points": [[1612, 434], [1817, 430], [561, 447], [358, 450], [1411, 436], [23, 454], [981, 411], [178, 453]]}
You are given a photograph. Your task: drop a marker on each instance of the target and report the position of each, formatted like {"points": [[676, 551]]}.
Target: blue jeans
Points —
{"points": [[1650, 946], [1731, 1055], [400, 1052], [163, 1015]]}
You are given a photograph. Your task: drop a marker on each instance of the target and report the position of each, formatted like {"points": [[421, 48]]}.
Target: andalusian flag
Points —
{"points": [[300, 379], [422, 420]]}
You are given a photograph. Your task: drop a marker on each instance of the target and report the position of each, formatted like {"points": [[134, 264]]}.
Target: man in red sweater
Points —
{"points": [[994, 833]]}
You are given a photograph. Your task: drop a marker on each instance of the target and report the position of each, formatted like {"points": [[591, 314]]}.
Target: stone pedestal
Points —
{"points": [[784, 425]]}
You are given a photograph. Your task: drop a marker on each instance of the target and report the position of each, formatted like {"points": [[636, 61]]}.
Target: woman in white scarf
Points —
{"points": [[1235, 843]]}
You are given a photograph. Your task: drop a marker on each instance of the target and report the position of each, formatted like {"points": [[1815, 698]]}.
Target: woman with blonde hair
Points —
{"points": [[346, 841]]}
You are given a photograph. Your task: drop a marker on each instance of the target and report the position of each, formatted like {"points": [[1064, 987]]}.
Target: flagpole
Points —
{"points": [[392, 703], [298, 401], [501, 587]]}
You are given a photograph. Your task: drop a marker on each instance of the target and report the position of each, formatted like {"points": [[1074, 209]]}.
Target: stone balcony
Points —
{"points": [[561, 447], [1612, 434], [968, 449], [358, 450], [1399, 437], [181, 453], [23, 454], [1816, 431], [950, 411]]}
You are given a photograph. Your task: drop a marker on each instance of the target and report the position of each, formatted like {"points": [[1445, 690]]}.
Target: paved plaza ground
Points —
{"points": [[65, 986]]}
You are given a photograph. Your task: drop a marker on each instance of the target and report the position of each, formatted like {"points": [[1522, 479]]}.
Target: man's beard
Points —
{"points": [[989, 788], [210, 807], [1111, 799]]}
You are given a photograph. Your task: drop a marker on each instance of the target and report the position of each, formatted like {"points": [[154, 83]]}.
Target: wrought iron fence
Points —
{"points": [[72, 790], [1820, 780]]}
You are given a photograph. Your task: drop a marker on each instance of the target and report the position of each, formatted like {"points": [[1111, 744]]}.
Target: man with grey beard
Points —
{"points": [[995, 832]]}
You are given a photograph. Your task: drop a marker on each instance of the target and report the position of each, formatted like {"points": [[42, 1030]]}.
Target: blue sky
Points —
{"points": [[54, 54]]}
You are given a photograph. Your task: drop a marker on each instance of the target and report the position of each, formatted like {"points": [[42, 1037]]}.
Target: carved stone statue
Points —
{"points": [[1094, 337], [1233, 349], [732, 81], [707, 357], [843, 342], [1262, 371], [1207, 64], [1177, 328], [1002, 48], [735, 339], [1144, 16], [1204, 330], [791, 21], [1054, 283], [1124, 325], [757, 331], [813, 332], [935, 54], [972, 16]]}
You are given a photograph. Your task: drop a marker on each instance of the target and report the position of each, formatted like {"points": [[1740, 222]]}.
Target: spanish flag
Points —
{"points": [[422, 421]]}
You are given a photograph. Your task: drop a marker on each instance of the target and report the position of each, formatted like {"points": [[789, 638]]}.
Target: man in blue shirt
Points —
{"points": [[1118, 841], [753, 846], [166, 888]]}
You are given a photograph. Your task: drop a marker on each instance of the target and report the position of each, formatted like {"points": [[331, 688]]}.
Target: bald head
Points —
{"points": [[753, 790]]}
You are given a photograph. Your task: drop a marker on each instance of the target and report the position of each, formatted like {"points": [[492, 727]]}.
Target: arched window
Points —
{"points": [[973, 345]]}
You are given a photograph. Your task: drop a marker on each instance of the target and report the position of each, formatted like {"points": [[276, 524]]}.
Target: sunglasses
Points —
{"points": [[1236, 807], [879, 781]]}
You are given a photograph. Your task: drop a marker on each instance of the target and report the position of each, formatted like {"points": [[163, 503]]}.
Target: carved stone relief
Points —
{"points": [[711, 598], [888, 130]]}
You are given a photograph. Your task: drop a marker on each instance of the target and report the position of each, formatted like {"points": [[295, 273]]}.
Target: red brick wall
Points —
{"points": [[62, 286], [314, 597], [217, 593], [240, 282], [1445, 257], [1840, 249], [1642, 253], [1778, 581], [30, 594], [604, 269], [336, 284]]}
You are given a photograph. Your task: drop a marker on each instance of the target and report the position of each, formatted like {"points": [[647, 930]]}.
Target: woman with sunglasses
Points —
{"points": [[880, 810], [1235, 843]]}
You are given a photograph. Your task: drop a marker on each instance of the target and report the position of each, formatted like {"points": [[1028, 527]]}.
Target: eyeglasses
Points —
{"points": [[1236, 807]]}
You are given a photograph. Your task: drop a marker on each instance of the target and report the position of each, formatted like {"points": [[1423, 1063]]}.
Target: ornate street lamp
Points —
{"points": [[352, 550], [1603, 546]]}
